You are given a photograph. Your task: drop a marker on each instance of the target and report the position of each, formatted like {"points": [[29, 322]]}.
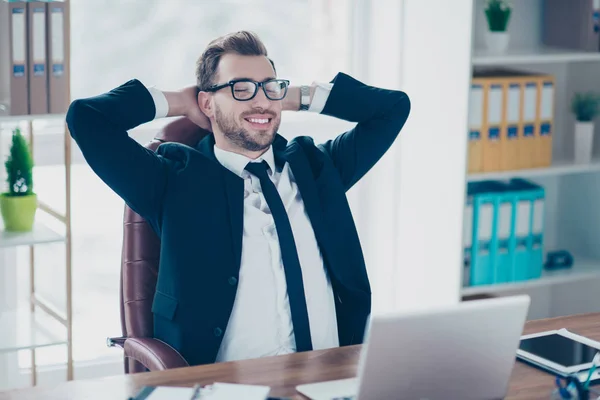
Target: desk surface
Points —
{"points": [[284, 373]]}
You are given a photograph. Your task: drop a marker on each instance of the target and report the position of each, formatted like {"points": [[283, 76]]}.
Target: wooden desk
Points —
{"points": [[284, 373]]}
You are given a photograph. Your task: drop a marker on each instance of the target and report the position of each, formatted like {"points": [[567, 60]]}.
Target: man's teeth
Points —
{"points": [[259, 121]]}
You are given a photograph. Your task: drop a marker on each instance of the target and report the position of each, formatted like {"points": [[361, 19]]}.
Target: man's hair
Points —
{"points": [[242, 42]]}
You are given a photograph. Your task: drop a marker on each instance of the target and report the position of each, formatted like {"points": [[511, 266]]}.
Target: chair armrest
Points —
{"points": [[154, 354]]}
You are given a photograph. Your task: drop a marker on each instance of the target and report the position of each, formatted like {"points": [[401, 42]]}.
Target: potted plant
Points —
{"points": [[19, 204], [586, 107], [497, 13]]}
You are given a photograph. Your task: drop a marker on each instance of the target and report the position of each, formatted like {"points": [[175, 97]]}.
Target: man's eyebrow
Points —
{"points": [[250, 79]]}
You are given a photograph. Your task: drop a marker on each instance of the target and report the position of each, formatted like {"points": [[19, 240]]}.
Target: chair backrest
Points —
{"points": [[140, 258]]}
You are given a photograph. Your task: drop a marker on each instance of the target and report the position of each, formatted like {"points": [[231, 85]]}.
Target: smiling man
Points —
{"points": [[259, 252]]}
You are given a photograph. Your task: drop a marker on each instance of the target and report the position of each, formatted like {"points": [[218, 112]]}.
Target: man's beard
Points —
{"points": [[241, 137]]}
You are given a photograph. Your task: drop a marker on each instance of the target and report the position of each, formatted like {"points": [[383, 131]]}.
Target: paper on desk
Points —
{"points": [[218, 391], [171, 393], [231, 391]]}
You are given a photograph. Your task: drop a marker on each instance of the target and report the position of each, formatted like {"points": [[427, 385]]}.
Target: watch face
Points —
{"points": [[305, 98]]}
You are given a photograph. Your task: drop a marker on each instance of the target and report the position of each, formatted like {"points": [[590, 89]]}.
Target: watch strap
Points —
{"points": [[304, 97]]}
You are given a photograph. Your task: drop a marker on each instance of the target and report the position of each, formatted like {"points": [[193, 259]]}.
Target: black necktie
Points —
{"points": [[289, 254]]}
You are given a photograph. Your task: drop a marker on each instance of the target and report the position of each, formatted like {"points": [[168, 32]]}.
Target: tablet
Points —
{"points": [[560, 350]]}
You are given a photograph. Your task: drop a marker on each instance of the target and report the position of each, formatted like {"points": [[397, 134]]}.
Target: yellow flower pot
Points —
{"points": [[18, 212]]}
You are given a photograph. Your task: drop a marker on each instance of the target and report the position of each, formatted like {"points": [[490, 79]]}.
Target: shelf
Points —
{"points": [[558, 168], [581, 270], [39, 235], [532, 56], [21, 118], [23, 330]]}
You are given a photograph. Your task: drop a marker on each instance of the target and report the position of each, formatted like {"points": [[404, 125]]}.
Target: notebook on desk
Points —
{"points": [[217, 391]]}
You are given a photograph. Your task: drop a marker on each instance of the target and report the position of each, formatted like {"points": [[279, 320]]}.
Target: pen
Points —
{"points": [[595, 363], [196, 392]]}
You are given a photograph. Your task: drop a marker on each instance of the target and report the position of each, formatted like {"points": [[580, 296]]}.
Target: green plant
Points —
{"points": [[585, 106], [19, 166], [498, 14]]}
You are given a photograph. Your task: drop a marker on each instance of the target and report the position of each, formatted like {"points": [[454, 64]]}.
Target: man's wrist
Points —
{"points": [[305, 98], [177, 104], [160, 102], [292, 100]]}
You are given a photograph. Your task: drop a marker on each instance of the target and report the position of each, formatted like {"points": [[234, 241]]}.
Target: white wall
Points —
{"points": [[411, 203], [436, 71]]}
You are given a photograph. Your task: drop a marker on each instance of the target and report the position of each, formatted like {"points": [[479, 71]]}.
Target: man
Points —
{"points": [[259, 252]]}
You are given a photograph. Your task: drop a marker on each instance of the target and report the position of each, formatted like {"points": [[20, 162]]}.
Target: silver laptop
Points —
{"points": [[465, 351]]}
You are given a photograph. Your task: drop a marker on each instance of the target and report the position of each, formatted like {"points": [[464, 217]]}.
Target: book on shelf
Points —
{"points": [[33, 63], [511, 115], [37, 66], [14, 83]]}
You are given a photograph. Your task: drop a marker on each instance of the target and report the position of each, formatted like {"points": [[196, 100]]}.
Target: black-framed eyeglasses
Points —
{"points": [[246, 89]]}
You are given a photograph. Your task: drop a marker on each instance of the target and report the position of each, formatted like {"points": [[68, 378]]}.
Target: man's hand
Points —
{"points": [[184, 102]]}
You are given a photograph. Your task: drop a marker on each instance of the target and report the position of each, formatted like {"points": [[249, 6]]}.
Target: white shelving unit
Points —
{"points": [[582, 271], [558, 168], [29, 331], [31, 118], [532, 55], [41, 323], [39, 235], [572, 219]]}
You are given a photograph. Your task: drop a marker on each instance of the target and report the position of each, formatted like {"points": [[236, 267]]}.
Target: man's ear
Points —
{"points": [[205, 104]]}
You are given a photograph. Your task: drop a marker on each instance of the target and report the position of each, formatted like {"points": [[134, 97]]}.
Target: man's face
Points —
{"points": [[252, 124]]}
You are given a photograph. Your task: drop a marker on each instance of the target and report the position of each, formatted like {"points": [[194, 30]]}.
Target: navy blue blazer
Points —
{"points": [[195, 205]]}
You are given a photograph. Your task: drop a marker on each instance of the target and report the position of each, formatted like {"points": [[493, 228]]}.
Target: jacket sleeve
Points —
{"points": [[99, 126], [380, 115]]}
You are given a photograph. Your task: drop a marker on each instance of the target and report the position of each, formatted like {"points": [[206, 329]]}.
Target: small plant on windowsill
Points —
{"points": [[586, 107], [497, 13], [18, 205]]}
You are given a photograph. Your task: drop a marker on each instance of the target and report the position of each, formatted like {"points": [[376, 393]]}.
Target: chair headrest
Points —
{"points": [[187, 137]]}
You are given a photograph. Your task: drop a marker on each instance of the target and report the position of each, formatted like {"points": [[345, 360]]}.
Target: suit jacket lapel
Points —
{"points": [[234, 191]]}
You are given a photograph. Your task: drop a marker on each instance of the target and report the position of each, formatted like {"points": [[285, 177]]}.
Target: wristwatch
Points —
{"points": [[304, 97]]}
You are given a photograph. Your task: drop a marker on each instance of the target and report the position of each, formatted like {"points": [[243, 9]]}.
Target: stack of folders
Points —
{"points": [[573, 24], [511, 115], [504, 231], [33, 66]]}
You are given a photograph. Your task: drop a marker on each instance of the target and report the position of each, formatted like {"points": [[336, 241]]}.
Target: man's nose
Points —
{"points": [[261, 100]]}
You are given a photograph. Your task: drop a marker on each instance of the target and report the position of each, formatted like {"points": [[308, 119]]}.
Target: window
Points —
{"points": [[158, 42]]}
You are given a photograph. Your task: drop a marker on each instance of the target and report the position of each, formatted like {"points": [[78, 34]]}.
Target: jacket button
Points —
{"points": [[232, 281], [218, 332]]}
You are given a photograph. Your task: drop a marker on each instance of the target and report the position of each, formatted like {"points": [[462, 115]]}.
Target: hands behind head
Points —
{"points": [[192, 110]]}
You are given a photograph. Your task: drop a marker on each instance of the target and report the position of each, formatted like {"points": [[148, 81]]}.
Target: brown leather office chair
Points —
{"points": [[139, 272]]}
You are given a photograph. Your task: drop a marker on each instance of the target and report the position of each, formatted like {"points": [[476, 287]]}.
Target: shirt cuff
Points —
{"points": [[320, 97], [160, 102]]}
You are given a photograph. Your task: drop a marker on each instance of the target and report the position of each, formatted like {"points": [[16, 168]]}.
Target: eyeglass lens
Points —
{"points": [[274, 90]]}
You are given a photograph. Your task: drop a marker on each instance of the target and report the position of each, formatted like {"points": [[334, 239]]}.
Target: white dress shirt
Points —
{"points": [[260, 324]]}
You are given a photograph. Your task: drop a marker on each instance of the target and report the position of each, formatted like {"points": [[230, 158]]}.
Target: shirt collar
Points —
{"points": [[236, 163]]}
